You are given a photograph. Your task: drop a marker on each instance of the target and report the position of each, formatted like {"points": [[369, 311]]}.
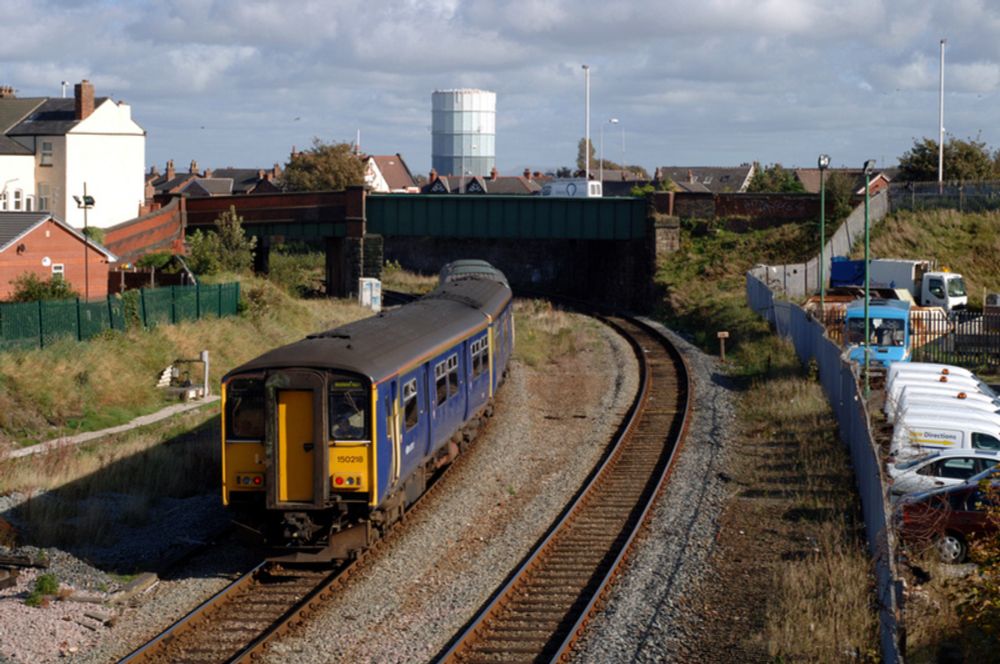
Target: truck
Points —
{"points": [[927, 288], [573, 188], [888, 332]]}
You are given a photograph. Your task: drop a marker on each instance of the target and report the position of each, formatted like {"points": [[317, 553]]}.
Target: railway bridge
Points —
{"points": [[602, 250]]}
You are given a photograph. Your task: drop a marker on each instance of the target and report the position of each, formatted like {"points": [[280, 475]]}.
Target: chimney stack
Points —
{"points": [[6, 92], [276, 171], [84, 97], [527, 173], [171, 173], [493, 173], [194, 167], [208, 172], [261, 174]]}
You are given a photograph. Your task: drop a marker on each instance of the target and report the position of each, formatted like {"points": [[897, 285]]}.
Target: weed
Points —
{"points": [[46, 585]]}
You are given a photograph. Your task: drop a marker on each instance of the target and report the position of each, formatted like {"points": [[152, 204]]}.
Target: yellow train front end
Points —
{"points": [[298, 461]]}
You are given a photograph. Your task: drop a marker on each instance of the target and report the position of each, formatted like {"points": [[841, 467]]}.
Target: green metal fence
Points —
{"points": [[38, 324]]}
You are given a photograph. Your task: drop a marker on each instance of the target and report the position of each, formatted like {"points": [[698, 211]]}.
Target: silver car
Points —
{"points": [[939, 468]]}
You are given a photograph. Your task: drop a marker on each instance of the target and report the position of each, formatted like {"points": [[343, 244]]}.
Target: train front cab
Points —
{"points": [[298, 444]]}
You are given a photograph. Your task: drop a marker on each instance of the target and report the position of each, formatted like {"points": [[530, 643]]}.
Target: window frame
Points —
{"points": [[45, 153], [411, 396], [59, 271]]}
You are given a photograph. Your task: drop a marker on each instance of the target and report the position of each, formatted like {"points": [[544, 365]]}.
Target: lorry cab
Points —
{"points": [[888, 331], [943, 289]]}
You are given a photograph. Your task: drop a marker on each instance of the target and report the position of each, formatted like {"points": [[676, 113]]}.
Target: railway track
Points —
{"points": [[545, 603], [544, 606], [241, 618]]}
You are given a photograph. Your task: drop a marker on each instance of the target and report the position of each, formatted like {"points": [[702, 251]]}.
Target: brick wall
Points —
{"points": [[52, 241], [758, 210], [161, 230]]}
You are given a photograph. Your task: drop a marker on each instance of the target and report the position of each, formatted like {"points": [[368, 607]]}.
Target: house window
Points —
{"points": [[58, 270], [44, 196], [18, 199], [46, 156]]}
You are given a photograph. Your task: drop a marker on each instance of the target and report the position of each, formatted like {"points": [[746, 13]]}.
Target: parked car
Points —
{"points": [[938, 469], [947, 518]]}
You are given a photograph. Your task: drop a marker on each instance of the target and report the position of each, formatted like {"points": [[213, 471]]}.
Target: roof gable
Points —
{"points": [[16, 225], [716, 179], [13, 110], [394, 171]]}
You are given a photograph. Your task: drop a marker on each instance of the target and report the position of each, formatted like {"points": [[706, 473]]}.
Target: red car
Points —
{"points": [[948, 518]]}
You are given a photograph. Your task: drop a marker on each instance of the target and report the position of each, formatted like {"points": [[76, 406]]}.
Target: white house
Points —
{"points": [[50, 147]]}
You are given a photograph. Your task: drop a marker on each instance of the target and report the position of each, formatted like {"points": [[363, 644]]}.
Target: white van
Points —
{"points": [[947, 397], [950, 408], [573, 188], [920, 433], [925, 367], [894, 388]]}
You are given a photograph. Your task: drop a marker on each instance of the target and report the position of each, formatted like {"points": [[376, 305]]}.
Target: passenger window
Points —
{"points": [[957, 469], [388, 422], [984, 441], [410, 407], [441, 382], [478, 357], [453, 375]]}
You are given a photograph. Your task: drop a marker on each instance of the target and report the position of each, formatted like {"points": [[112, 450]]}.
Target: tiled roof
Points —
{"points": [[243, 179], [14, 225], [13, 110], [718, 180], [10, 146], [809, 177], [397, 175], [54, 117], [212, 186], [503, 185], [164, 186]]}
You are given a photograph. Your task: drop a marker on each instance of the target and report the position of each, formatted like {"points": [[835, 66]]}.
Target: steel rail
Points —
{"points": [[546, 602]]}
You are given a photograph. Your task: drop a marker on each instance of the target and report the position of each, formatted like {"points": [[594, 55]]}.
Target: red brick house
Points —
{"points": [[39, 242]]}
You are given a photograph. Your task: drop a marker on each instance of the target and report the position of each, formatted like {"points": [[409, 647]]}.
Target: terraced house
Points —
{"points": [[50, 147]]}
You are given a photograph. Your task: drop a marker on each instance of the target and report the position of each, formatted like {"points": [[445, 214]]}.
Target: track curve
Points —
{"points": [[546, 603]]}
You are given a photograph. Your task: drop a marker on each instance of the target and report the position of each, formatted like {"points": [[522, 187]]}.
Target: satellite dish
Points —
{"points": [[46, 261]]}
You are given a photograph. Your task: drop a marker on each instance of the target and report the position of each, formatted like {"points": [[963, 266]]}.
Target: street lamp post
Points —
{"points": [[586, 124], [824, 163], [869, 167], [610, 121], [85, 204]]}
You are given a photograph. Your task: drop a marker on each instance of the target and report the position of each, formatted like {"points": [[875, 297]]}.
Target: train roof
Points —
{"points": [[379, 346], [467, 268]]}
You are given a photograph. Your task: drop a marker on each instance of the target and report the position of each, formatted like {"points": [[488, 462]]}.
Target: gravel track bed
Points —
{"points": [[645, 616], [551, 426]]}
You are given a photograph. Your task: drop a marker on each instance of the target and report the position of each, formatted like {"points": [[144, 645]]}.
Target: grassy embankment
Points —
{"points": [[966, 243], [793, 474]]}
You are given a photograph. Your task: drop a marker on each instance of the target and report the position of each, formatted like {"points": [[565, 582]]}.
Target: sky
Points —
{"points": [[707, 83]]}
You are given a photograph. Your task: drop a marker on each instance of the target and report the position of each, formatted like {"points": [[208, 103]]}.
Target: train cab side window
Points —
{"points": [[348, 419], [441, 382], [245, 409], [452, 363], [411, 411]]}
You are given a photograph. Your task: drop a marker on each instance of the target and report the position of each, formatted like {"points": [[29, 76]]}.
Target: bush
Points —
{"points": [[227, 249], [29, 287], [46, 585]]}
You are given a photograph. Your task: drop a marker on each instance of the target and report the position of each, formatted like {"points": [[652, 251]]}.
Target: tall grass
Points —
{"points": [[544, 332], [70, 386]]}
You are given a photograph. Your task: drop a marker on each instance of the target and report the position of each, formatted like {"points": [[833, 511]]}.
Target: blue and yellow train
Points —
{"points": [[326, 441]]}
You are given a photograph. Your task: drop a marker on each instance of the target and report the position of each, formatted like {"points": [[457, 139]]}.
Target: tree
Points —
{"points": [[774, 178], [840, 192], [327, 166], [564, 172], [967, 160], [228, 249], [29, 287]]}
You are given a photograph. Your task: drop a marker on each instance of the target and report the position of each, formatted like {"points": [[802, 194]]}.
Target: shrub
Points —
{"points": [[227, 249], [29, 287], [46, 585]]}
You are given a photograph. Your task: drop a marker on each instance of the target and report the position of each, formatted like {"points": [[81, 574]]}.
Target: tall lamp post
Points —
{"points": [[85, 204], [610, 121], [869, 167], [824, 163], [586, 124]]}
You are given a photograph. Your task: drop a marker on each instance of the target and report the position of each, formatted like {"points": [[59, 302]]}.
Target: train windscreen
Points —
{"points": [[245, 409]]}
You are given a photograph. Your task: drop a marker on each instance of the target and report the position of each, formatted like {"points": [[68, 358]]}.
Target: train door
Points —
{"points": [[297, 445], [415, 420]]}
